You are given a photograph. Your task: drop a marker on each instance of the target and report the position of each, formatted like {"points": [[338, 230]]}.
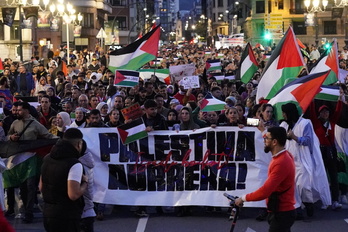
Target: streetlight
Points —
{"points": [[344, 3], [315, 9], [69, 17], [20, 4]]}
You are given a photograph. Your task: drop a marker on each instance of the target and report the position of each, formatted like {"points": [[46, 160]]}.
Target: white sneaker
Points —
{"points": [[343, 199], [336, 205], [324, 207]]}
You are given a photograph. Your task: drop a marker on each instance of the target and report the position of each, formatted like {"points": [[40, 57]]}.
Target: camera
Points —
{"points": [[253, 121]]}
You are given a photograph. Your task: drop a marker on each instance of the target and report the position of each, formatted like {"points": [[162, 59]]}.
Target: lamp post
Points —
{"points": [[69, 17], [20, 4], [344, 4], [315, 9]]}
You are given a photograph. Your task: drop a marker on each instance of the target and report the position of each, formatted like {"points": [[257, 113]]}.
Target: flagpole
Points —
{"points": [[154, 70]]}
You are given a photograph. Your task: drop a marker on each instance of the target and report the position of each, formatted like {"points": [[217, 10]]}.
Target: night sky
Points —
{"points": [[185, 5]]}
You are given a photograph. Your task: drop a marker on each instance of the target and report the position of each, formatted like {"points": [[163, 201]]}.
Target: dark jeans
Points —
{"points": [[10, 199], [329, 155], [28, 190], [281, 221], [87, 224], [60, 225]]}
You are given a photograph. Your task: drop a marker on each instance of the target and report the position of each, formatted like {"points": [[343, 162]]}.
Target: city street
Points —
{"points": [[122, 219]]}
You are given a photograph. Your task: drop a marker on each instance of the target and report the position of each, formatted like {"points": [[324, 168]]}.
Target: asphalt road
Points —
{"points": [[122, 219]]}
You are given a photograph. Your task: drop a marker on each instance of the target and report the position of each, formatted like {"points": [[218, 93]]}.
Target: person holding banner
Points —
{"points": [[114, 117], [187, 122], [279, 188], [152, 119]]}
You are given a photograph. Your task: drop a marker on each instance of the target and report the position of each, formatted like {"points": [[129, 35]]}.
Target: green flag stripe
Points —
{"points": [[331, 78], [249, 74], [327, 97], [213, 107], [127, 83], [135, 63], [286, 73], [135, 137], [18, 174], [214, 68]]}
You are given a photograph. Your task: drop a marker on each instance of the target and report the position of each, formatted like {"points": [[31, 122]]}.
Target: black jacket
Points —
{"points": [[55, 170]]}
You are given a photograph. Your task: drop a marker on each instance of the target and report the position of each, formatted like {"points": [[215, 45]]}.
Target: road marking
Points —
{"points": [[250, 230], [346, 220], [142, 224]]}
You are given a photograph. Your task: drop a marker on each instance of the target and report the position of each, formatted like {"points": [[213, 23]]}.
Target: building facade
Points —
{"points": [[37, 40]]}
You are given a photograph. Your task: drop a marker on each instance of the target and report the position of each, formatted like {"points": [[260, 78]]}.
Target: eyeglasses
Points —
{"points": [[265, 138]]}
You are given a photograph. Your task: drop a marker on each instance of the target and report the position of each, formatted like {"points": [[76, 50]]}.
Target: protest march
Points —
{"points": [[170, 126]]}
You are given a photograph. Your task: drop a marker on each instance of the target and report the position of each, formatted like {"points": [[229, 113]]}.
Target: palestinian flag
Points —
{"points": [[157, 62], [126, 78], [220, 55], [230, 76], [248, 64], [299, 42], [285, 62], [218, 76], [210, 103], [300, 92], [19, 168], [21, 159], [161, 74], [328, 93], [132, 131], [207, 53], [328, 61], [1, 66], [40, 146], [212, 65], [136, 54]]}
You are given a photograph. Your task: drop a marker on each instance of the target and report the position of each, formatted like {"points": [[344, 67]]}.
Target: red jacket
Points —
{"points": [[281, 178], [326, 137]]}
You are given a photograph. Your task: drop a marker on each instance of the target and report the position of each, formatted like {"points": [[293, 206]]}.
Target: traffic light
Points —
{"points": [[268, 36], [327, 46]]}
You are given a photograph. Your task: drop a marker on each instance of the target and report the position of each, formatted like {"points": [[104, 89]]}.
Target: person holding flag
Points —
{"points": [[324, 127], [303, 144]]}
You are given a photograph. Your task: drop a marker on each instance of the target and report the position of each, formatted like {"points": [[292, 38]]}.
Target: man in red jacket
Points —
{"points": [[280, 182]]}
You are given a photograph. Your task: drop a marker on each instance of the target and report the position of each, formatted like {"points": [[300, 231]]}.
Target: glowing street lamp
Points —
{"points": [[315, 9]]}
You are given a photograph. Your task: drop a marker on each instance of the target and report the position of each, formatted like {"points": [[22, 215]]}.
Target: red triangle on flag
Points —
{"points": [[252, 56], [300, 43], [207, 65], [332, 59], [119, 77], [123, 134], [305, 93], [167, 80], [290, 55], [151, 45], [204, 103]]}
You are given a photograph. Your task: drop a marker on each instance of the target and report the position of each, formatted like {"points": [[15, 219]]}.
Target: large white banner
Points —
{"points": [[171, 168]]}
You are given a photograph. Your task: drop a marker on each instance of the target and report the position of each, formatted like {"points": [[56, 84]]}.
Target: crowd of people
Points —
{"points": [[84, 96]]}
